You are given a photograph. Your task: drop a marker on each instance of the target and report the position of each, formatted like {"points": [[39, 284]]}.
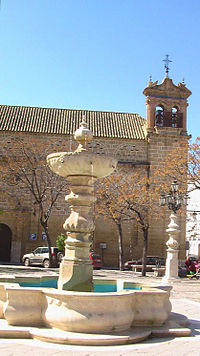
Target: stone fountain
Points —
{"points": [[73, 314], [81, 168]]}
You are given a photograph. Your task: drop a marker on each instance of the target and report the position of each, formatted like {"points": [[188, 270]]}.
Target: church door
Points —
{"points": [[5, 243]]}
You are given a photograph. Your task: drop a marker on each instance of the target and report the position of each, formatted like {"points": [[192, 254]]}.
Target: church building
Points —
{"points": [[132, 139]]}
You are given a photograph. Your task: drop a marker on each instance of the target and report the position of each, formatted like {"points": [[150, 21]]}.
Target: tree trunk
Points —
{"points": [[145, 248], [121, 252]]}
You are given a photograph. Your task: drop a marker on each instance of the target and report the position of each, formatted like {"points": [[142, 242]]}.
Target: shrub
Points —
{"points": [[60, 242]]}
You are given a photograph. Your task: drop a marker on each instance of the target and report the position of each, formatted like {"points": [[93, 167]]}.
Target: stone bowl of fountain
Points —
{"points": [[81, 162], [75, 313]]}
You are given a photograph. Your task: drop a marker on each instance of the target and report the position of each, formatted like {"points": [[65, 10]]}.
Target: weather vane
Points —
{"points": [[167, 61]]}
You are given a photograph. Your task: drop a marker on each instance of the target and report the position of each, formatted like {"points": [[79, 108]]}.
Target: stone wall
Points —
{"points": [[22, 222]]}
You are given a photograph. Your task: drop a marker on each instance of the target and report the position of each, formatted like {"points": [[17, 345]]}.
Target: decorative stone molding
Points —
{"points": [[173, 230]]}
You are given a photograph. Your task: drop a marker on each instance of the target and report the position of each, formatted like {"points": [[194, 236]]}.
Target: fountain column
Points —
{"points": [[81, 168], [76, 271], [171, 271]]}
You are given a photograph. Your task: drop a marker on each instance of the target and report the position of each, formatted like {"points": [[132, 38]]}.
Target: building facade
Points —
{"points": [[133, 140], [193, 223]]}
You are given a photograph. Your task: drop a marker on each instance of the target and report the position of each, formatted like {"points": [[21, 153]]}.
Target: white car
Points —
{"points": [[40, 256]]}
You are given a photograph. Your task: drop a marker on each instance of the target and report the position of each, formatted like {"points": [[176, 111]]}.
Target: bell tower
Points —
{"points": [[166, 104], [166, 132]]}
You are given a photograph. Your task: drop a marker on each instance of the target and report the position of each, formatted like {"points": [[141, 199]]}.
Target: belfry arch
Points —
{"points": [[175, 116], [159, 117], [5, 243]]}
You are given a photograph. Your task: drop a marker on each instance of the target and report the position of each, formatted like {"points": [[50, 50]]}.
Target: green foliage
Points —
{"points": [[60, 242]]}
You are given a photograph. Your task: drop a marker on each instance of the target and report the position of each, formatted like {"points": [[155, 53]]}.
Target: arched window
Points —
{"points": [[175, 116], [159, 121]]}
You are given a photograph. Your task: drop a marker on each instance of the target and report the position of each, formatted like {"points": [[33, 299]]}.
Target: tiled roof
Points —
{"points": [[66, 121]]}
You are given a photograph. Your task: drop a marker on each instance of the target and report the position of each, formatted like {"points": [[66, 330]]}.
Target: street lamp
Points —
{"points": [[173, 200]]}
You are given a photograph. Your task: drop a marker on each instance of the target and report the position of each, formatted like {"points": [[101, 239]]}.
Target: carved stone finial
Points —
{"points": [[172, 244], [173, 230], [83, 135]]}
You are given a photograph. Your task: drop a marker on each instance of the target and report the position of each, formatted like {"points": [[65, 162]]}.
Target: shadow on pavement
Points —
{"points": [[195, 326]]}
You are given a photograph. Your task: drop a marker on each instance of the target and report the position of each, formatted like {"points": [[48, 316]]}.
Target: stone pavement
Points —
{"points": [[185, 299]]}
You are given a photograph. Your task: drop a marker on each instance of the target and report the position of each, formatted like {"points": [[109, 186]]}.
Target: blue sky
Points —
{"points": [[97, 54]]}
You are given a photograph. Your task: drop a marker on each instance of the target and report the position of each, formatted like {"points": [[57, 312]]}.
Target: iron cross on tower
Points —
{"points": [[167, 61]]}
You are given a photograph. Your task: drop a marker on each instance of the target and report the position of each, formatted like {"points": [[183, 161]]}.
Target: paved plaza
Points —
{"points": [[185, 299]]}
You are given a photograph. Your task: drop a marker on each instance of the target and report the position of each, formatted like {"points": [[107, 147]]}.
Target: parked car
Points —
{"points": [[129, 264], [40, 256], [150, 260], [96, 260]]}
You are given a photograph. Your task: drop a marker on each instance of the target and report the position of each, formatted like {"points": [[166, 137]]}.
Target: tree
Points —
{"points": [[110, 205], [183, 165], [60, 242], [142, 199], [27, 177], [129, 196], [175, 165], [194, 164]]}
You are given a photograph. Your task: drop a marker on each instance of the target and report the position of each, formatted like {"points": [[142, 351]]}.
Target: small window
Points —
{"points": [[45, 250], [37, 250]]}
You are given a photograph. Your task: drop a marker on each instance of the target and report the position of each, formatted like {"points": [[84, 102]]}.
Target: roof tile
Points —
{"points": [[66, 121]]}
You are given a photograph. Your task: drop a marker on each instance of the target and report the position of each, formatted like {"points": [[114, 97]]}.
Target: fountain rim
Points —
{"points": [[71, 154], [145, 289]]}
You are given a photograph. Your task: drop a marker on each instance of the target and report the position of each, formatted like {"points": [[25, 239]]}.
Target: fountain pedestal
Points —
{"points": [[171, 271], [76, 271]]}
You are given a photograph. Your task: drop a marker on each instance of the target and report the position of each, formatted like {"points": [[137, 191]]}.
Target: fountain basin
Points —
{"points": [[81, 164], [83, 311]]}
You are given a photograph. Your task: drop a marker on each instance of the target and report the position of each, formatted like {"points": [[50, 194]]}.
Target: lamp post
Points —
{"points": [[173, 200]]}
